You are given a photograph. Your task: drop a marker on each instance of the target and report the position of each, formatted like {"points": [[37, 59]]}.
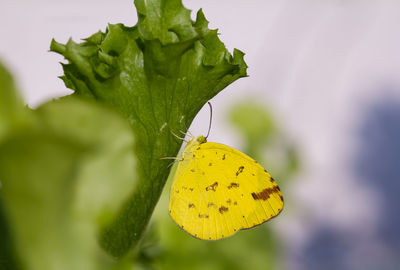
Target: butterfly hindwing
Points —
{"points": [[218, 190]]}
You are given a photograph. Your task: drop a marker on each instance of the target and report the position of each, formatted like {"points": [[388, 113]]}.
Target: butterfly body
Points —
{"points": [[218, 190]]}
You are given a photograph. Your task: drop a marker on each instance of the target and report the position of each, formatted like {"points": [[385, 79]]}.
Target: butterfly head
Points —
{"points": [[201, 139], [192, 145]]}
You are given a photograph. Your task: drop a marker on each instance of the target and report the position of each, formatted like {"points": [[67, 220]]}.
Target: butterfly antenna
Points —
{"points": [[209, 126]]}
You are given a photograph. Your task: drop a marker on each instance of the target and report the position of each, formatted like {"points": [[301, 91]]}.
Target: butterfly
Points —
{"points": [[218, 190]]}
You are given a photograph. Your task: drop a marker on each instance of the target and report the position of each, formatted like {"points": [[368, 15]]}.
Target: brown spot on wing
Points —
{"points": [[264, 195], [223, 209], [233, 185], [223, 157], [228, 201], [191, 205], [240, 170], [212, 187], [210, 204], [203, 216]]}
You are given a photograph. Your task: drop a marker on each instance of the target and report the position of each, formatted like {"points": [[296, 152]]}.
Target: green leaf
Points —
{"points": [[62, 182], [12, 117], [13, 114], [158, 74]]}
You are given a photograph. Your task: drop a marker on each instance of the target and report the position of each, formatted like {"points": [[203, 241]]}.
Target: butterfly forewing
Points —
{"points": [[218, 190]]}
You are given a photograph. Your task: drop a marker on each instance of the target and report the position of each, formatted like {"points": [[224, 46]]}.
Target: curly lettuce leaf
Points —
{"points": [[158, 74]]}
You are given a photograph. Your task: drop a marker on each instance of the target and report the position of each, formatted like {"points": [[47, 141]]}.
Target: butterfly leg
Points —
{"points": [[173, 158], [187, 133], [173, 162], [180, 138]]}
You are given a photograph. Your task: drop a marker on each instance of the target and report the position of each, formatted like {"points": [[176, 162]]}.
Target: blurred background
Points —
{"points": [[320, 110]]}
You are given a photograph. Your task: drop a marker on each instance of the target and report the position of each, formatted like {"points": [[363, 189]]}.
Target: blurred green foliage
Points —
{"points": [[56, 163], [256, 126], [263, 139], [13, 114]]}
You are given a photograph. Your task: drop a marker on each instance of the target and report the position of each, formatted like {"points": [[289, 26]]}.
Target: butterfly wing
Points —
{"points": [[219, 190]]}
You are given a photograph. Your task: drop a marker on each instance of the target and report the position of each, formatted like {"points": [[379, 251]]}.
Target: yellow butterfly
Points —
{"points": [[217, 191]]}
